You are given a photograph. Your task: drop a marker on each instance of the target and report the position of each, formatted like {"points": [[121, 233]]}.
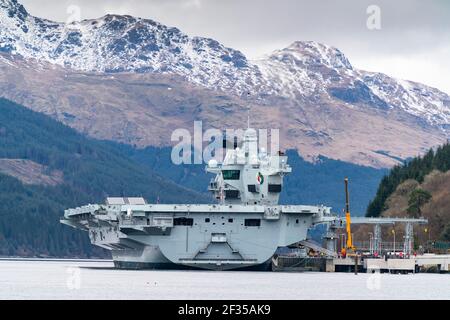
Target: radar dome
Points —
{"points": [[212, 163]]}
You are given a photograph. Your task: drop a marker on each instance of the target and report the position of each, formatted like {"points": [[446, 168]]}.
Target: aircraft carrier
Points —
{"points": [[243, 230]]}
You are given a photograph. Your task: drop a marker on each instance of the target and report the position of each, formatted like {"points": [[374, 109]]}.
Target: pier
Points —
{"points": [[373, 255]]}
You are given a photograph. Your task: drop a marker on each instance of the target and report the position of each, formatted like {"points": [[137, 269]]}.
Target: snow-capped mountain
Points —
{"points": [[116, 43], [310, 85], [309, 68], [123, 43]]}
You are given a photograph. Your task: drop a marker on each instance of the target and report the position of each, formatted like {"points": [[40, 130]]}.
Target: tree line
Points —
{"points": [[417, 169]]}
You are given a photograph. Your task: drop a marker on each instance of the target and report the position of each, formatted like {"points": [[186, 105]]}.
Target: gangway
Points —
{"points": [[318, 248]]}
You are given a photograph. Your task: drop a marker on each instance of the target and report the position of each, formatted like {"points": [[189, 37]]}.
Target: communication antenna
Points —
{"points": [[248, 111], [222, 194]]}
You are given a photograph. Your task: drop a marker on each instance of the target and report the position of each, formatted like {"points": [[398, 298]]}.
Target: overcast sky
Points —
{"points": [[413, 42]]}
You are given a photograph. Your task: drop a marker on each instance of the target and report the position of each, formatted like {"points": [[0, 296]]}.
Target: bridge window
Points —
{"points": [[252, 188], [183, 222], [232, 194], [231, 174], [252, 222], [207, 220], [275, 188]]}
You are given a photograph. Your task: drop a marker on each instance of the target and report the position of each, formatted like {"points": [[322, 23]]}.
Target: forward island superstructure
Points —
{"points": [[243, 230]]}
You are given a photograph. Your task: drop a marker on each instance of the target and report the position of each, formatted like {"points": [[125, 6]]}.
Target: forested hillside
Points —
{"points": [[416, 169], [420, 188], [91, 170]]}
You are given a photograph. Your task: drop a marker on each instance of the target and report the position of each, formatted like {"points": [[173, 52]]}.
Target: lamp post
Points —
{"points": [[427, 230], [393, 232], [343, 239]]}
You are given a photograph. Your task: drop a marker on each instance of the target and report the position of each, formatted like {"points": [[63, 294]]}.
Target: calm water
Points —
{"points": [[97, 280]]}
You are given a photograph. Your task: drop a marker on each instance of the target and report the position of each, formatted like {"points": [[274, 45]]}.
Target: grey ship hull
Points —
{"points": [[151, 258], [212, 237]]}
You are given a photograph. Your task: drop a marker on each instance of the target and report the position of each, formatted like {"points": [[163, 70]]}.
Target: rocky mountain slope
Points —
{"points": [[134, 80], [30, 172]]}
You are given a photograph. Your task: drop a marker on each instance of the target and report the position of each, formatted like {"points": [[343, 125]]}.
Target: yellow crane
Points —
{"points": [[349, 247]]}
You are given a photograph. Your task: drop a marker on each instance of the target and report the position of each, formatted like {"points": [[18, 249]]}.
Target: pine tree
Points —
{"points": [[417, 199]]}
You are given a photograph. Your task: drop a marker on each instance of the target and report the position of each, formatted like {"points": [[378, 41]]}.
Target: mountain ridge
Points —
{"points": [[312, 84]]}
